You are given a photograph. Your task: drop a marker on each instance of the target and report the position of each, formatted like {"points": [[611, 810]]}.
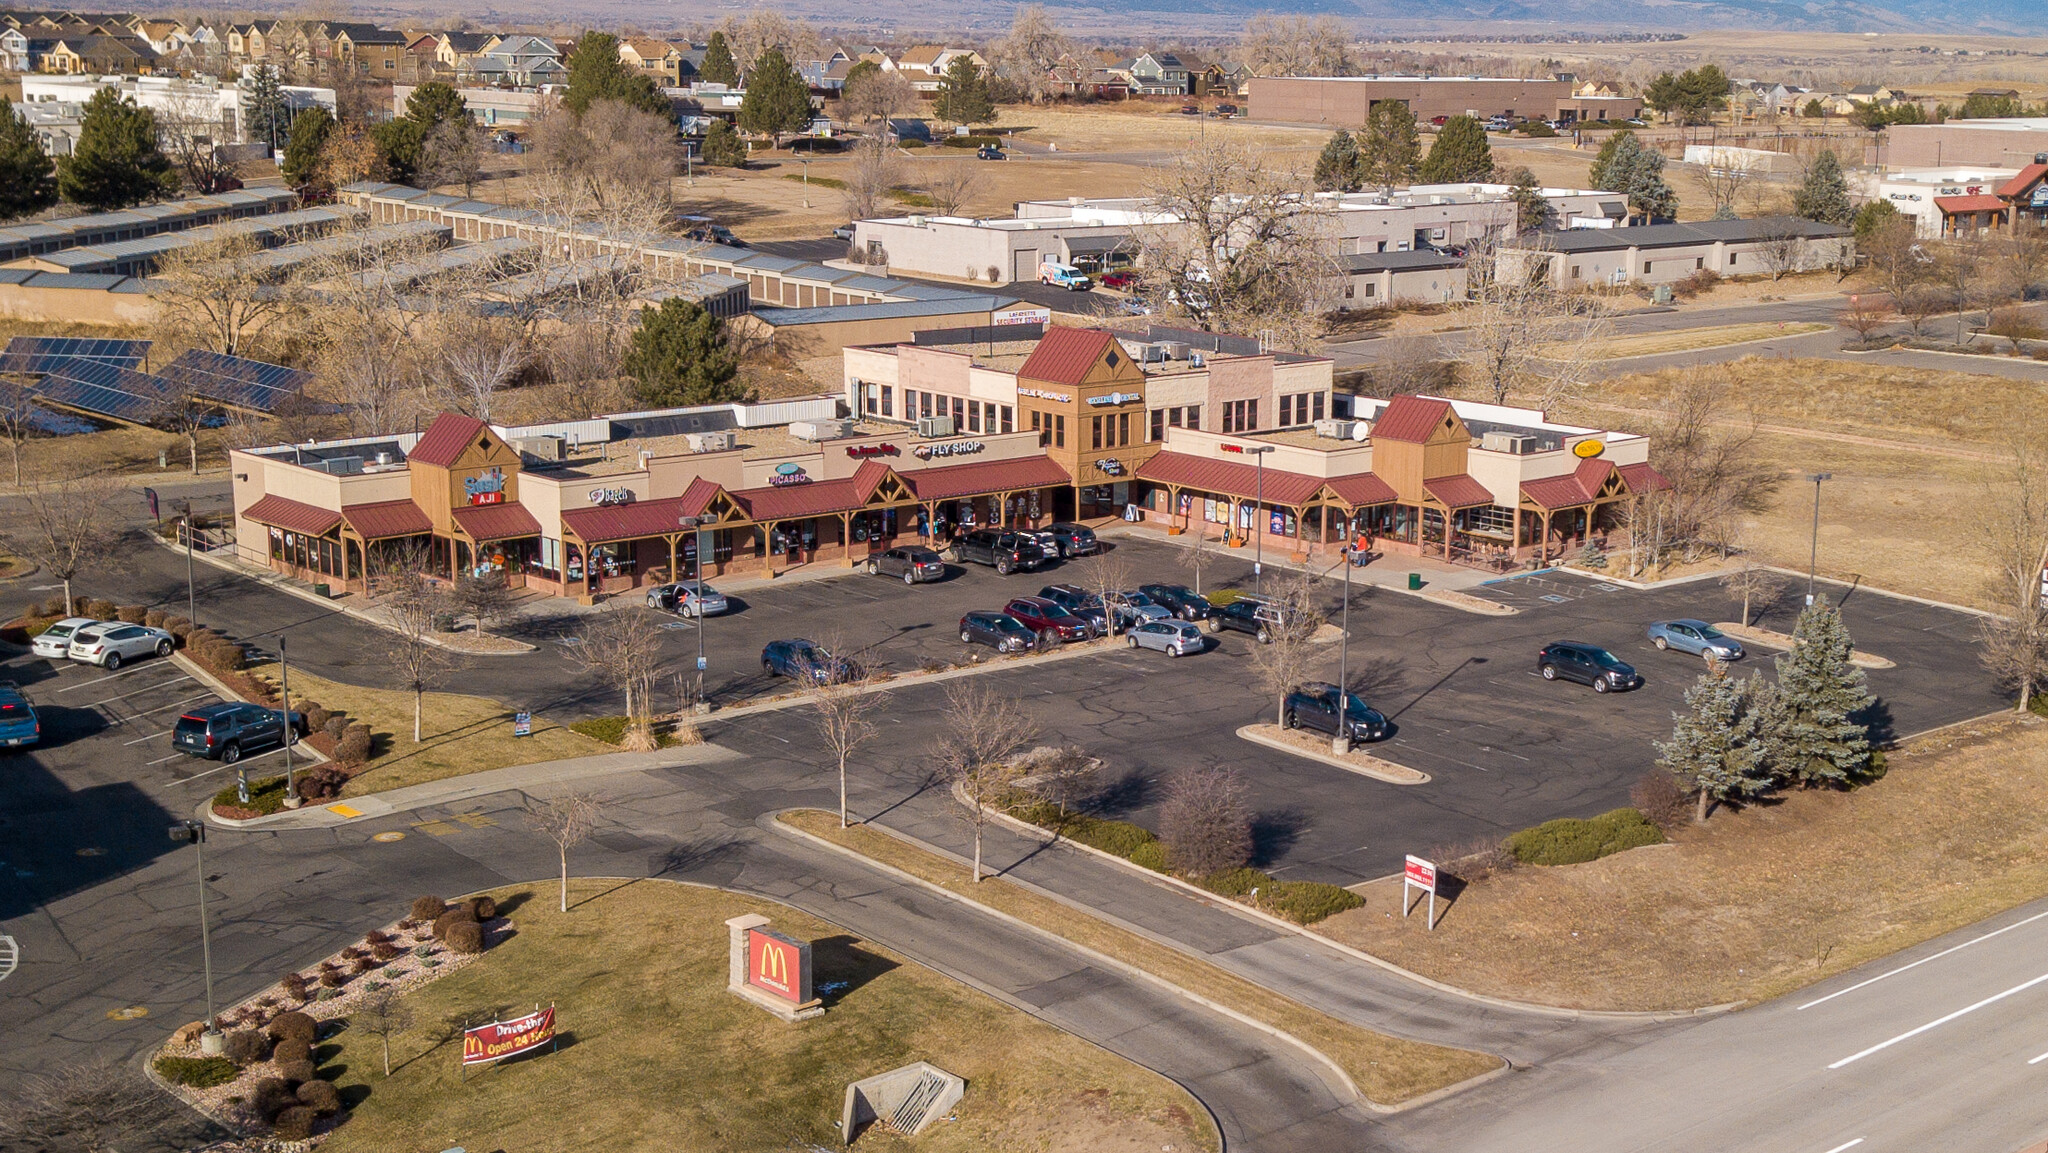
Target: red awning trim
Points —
{"points": [[292, 515]]}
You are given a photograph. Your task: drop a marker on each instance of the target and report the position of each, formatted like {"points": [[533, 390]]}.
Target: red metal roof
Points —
{"points": [[697, 496], [868, 477], [297, 516], [1459, 491], [386, 518], [1582, 485], [1362, 489], [1556, 492], [1410, 418], [1642, 478], [1229, 478], [798, 501], [1955, 204], [629, 521], [2017, 187], [446, 438], [958, 480], [487, 522], [1064, 355]]}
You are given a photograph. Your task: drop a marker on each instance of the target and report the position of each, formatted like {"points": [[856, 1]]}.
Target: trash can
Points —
{"points": [[320, 590], [1414, 582]]}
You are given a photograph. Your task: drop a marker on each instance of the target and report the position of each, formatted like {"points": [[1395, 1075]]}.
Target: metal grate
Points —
{"points": [[910, 1116]]}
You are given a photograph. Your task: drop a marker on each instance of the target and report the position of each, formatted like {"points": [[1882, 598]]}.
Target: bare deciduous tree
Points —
{"points": [[953, 185], [181, 411], [453, 153], [984, 731], [1065, 775], [94, 1106], [1782, 248], [623, 646], [1206, 820], [1298, 46], [20, 419], [67, 526], [877, 97], [869, 178], [1285, 654], [411, 603], [1733, 183], [220, 293], [1105, 575], [844, 703], [1867, 312], [484, 597], [1030, 51], [2015, 528], [1711, 457], [567, 820], [480, 356], [1530, 342], [383, 1014], [1754, 586], [1195, 553]]}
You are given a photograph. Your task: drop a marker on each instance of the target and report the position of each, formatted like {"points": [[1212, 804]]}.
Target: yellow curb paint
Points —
{"points": [[344, 811], [387, 838]]}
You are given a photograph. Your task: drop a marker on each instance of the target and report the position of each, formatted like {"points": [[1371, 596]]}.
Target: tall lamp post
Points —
{"points": [[1813, 559], [1259, 529], [291, 781], [191, 600], [212, 1042], [699, 523], [1342, 741]]}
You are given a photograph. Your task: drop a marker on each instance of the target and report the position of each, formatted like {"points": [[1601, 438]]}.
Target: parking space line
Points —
{"points": [[150, 737], [172, 705], [109, 677], [161, 760], [196, 776], [138, 692]]}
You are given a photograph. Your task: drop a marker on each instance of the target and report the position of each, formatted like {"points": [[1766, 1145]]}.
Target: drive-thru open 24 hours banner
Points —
{"points": [[502, 1039]]}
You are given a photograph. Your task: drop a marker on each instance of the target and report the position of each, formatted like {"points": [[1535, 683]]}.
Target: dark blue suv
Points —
{"points": [[224, 731], [800, 658]]}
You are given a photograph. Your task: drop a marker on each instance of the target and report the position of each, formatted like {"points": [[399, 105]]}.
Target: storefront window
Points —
{"points": [[1009, 418], [974, 418]]}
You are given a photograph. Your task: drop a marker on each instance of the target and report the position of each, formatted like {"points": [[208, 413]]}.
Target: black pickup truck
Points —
{"points": [[1006, 551]]}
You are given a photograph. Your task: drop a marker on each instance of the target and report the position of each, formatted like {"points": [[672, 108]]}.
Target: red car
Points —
{"points": [[1048, 619], [1121, 278]]}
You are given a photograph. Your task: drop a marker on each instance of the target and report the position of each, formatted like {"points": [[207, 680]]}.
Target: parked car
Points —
{"points": [[1079, 602], [844, 232], [912, 564], [1002, 549], [1226, 110], [55, 642], [1174, 638], [19, 725], [1134, 607], [1048, 620], [1047, 542], [1180, 600], [798, 658], [1122, 278], [1251, 615], [999, 631], [1691, 636], [225, 731], [110, 643], [1190, 110], [991, 152], [1134, 306], [680, 598], [1586, 664], [1439, 121], [1314, 706], [1073, 539], [1063, 276]]}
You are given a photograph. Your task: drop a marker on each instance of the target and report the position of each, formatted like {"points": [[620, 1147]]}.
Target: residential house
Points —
{"points": [[369, 50], [658, 60], [1876, 94], [926, 64], [163, 36], [520, 61], [14, 49], [1594, 88], [458, 49], [80, 55], [1155, 74], [1105, 84], [423, 51], [247, 42], [1223, 78]]}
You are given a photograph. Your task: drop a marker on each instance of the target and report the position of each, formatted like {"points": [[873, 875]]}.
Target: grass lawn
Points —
{"points": [[1386, 1069], [459, 734], [1755, 903], [657, 1056], [1686, 340]]}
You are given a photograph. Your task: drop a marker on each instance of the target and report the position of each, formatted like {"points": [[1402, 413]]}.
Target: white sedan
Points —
{"points": [[55, 641], [1174, 638], [110, 643]]}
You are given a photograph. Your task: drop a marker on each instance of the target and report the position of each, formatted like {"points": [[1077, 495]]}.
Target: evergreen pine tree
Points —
{"points": [[27, 178], [116, 161], [596, 73], [718, 66], [1600, 173], [1872, 219], [1623, 165], [1389, 147], [306, 148], [680, 355], [963, 93], [778, 102], [1818, 738], [1824, 196], [1713, 751], [1461, 153], [267, 114], [1337, 167], [723, 147], [1533, 210]]}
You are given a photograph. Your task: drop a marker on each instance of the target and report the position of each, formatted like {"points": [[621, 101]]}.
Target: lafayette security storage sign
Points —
{"points": [[501, 1039]]}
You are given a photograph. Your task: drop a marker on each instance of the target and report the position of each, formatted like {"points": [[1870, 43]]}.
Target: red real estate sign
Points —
{"points": [[501, 1039], [1420, 873], [779, 965]]}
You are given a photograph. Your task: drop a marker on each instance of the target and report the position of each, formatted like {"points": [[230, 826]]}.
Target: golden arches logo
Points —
{"points": [[774, 964]]}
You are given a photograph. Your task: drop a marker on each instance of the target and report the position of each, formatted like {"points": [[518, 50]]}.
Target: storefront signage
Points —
{"points": [[1231, 447], [779, 965], [789, 472], [948, 448], [1589, 448], [1115, 398], [1059, 397], [604, 496], [501, 1039], [1028, 316], [1110, 466], [866, 450], [486, 487], [2040, 197]]}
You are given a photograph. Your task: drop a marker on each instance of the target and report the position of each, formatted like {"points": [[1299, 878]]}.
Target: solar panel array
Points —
{"points": [[105, 390], [36, 354], [234, 380]]}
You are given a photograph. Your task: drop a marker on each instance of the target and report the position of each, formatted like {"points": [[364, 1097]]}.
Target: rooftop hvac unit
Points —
{"points": [[1174, 349], [708, 441], [541, 447], [1517, 443], [815, 430], [341, 465], [1151, 354], [1196, 360], [929, 426], [1335, 429]]}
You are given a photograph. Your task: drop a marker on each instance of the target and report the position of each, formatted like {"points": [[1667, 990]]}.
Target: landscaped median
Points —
{"points": [[1387, 1071]]}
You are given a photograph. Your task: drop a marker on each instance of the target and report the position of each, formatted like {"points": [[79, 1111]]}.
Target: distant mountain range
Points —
{"points": [[1929, 16]]}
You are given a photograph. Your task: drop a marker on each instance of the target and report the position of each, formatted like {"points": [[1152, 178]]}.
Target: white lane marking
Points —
{"points": [[1923, 961], [196, 776], [2038, 1060], [207, 696], [161, 760], [1846, 1145], [150, 737], [1940, 1021], [136, 693], [110, 676]]}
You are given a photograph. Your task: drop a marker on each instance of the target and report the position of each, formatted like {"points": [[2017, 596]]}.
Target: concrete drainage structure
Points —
{"points": [[905, 1099]]}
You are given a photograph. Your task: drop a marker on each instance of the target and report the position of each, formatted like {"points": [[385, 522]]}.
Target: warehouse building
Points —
{"points": [[1346, 101]]}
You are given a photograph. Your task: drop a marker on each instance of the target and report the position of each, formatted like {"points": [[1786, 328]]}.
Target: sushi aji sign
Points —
{"points": [[501, 1039]]}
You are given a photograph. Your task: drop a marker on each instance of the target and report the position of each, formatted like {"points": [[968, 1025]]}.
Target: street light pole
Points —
{"points": [[1813, 559], [291, 782], [212, 1041], [191, 601], [1258, 529], [1342, 743], [697, 523]]}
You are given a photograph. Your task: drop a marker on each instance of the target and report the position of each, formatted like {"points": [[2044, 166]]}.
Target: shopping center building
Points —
{"points": [[1166, 428]]}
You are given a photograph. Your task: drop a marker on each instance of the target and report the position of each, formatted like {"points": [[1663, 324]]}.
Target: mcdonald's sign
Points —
{"points": [[779, 965]]}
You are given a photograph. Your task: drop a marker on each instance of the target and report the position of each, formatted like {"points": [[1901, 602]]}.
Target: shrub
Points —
{"points": [[422, 951], [322, 784], [295, 988], [970, 141], [1306, 902], [361, 965], [293, 1122], [332, 979], [296, 1072], [316, 717], [610, 730], [1572, 841], [482, 908], [271, 1097], [131, 614], [466, 937], [266, 796], [458, 915], [197, 1072], [384, 951], [1659, 797], [180, 627], [154, 618], [320, 1096], [336, 725], [1150, 855], [291, 1049], [1120, 837], [98, 609], [54, 607], [295, 1026], [354, 746], [247, 1046], [1238, 882]]}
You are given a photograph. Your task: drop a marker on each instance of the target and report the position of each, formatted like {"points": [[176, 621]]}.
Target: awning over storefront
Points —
{"points": [[630, 521], [1591, 482], [489, 522], [1097, 245], [381, 520], [1642, 478], [1952, 205], [1229, 478], [293, 516], [1362, 490], [954, 481], [1456, 492]]}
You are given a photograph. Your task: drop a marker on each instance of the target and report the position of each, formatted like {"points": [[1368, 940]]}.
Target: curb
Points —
{"points": [[1247, 733], [1719, 347], [797, 700], [1772, 639], [1359, 954]]}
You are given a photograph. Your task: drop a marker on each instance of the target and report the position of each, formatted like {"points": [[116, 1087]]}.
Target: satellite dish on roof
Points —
{"points": [[1361, 431]]}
